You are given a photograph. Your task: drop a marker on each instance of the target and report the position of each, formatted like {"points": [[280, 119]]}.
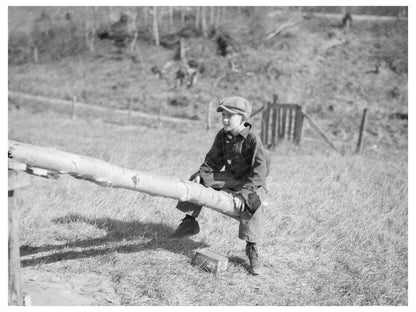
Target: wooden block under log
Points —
{"points": [[210, 261]]}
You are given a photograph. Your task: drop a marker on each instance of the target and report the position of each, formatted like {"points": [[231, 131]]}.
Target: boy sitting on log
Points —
{"points": [[240, 152]]}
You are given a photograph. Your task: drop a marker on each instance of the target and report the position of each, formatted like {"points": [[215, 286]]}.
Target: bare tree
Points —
{"points": [[204, 20], [156, 26], [217, 17], [170, 17], [183, 12], [212, 16], [197, 17]]}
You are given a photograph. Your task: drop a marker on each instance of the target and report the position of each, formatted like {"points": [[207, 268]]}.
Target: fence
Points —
{"points": [[281, 121]]}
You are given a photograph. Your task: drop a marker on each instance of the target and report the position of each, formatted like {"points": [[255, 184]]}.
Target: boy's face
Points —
{"points": [[231, 122]]}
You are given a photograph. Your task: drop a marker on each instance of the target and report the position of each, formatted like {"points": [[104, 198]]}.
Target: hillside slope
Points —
{"points": [[332, 72]]}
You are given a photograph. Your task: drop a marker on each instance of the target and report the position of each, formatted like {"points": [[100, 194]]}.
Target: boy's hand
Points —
{"points": [[197, 179], [239, 203]]}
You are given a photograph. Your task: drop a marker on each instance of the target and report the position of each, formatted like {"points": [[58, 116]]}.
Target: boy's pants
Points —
{"points": [[251, 225]]}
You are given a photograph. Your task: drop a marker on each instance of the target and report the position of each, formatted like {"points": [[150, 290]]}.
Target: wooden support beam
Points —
{"points": [[16, 180], [320, 131], [108, 175]]}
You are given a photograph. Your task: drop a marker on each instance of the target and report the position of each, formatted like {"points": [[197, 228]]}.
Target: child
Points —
{"points": [[242, 153]]}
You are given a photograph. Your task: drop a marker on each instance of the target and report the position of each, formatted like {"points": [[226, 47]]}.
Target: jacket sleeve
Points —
{"points": [[214, 160], [259, 168]]}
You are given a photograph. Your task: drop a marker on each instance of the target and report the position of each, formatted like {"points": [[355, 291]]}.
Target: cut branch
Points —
{"points": [[288, 24]]}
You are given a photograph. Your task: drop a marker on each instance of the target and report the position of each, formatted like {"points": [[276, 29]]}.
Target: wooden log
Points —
{"points": [[360, 134], [16, 180], [108, 175], [320, 131], [298, 124]]}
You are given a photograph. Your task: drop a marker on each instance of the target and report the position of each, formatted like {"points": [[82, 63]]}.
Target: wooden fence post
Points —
{"points": [[19, 95], [15, 283], [274, 125], [156, 26], [289, 134], [360, 135], [74, 99], [279, 123], [130, 109], [298, 124], [15, 180], [265, 123], [36, 54], [209, 115], [283, 122]]}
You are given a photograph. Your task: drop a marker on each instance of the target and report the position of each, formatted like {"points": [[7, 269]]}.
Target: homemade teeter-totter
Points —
{"points": [[50, 163], [108, 175]]}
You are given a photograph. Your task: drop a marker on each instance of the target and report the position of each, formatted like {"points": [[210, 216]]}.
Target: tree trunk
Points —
{"points": [[170, 18], [146, 18], [204, 20], [155, 26], [183, 12], [217, 17], [212, 16], [197, 17], [108, 175]]}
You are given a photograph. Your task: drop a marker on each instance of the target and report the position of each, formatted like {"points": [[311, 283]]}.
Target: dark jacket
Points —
{"points": [[243, 156]]}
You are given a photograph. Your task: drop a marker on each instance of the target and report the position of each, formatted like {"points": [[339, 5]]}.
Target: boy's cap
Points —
{"points": [[236, 105]]}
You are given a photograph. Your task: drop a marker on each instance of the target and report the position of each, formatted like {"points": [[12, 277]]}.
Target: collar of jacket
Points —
{"points": [[245, 131]]}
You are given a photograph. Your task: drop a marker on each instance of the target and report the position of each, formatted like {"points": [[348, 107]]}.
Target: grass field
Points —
{"points": [[337, 224], [336, 229]]}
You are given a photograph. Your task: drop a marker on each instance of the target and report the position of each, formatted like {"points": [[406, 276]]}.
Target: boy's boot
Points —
{"points": [[188, 227], [253, 256]]}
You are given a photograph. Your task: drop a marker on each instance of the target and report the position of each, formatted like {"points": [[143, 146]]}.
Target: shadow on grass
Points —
{"points": [[238, 261], [124, 234]]}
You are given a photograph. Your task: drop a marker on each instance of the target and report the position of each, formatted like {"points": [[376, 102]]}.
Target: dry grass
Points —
{"points": [[336, 230]]}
